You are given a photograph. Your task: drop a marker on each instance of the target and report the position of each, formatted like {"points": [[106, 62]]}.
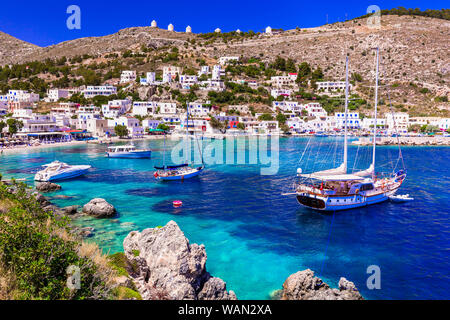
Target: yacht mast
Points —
{"points": [[187, 132], [345, 119], [375, 117]]}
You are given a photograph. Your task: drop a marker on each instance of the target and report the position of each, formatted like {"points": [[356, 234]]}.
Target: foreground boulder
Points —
{"points": [[168, 267], [47, 186], [99, 208], [303, 285]]}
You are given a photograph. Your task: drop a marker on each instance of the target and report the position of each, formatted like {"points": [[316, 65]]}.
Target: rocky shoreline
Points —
{"points": [[161, 264], [406, 141]]}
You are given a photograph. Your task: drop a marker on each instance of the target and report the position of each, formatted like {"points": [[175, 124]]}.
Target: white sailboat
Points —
{"points": [[336, 189], [182, 171]]}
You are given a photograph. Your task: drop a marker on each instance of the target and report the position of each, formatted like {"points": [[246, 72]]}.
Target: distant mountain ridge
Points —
{"points": [[414, 49]]}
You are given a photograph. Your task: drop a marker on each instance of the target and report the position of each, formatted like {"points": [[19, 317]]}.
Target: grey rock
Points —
{"points": [[170, 267], [47, 186], [303, 285], [99, 208], [70, 210]]}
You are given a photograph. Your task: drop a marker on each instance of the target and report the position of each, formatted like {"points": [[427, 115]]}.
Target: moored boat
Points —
{"points": [[128, 151], [60, 171], [336, 189]]}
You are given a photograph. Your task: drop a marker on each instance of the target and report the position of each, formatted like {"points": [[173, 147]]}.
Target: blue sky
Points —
{"points": [[44, 22]]}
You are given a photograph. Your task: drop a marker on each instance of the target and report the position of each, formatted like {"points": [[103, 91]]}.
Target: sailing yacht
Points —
{"points": [[182, 171], [335, 189]]}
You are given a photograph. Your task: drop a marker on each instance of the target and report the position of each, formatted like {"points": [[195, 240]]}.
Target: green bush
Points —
{"points": [[37, 247]]}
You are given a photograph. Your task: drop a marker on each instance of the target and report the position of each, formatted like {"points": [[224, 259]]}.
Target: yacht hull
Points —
{"points": [[188, 175], [63, 175], [326, 203], [130, 155]]}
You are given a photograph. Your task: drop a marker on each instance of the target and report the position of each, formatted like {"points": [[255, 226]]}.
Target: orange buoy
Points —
{"points": [[177, 203]]}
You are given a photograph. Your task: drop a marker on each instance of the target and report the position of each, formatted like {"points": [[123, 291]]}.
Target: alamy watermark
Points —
{"points": [[73, 22], [73, 278], [374, 280], [374, 21]]}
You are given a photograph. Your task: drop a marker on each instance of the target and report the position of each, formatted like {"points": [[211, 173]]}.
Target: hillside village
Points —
{"points": [[148, 89]]}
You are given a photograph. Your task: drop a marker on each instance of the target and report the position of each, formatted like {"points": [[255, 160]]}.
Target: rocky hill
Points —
{"points": [[415, 53]]}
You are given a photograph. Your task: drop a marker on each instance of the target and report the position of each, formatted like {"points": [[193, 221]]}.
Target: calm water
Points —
{"points": [[255, 237]]}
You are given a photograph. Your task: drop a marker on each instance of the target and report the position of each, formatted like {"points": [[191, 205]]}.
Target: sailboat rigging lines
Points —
{"points": [[335, 189]]}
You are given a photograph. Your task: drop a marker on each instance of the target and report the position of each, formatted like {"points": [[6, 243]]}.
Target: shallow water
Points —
{"points": [[255, 237]]}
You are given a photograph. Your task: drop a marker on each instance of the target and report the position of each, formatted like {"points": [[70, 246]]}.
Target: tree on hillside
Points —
{"points": [[121, 131], [2, 126], [304, 70], [265, 117], [14, 125]]}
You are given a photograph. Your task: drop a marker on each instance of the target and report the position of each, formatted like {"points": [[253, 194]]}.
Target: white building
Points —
{"points": [[167, 107], [444, 123], [132, 124], [170, 27], [150, 123], [369, 123], [187, 81], [54, 95], [280, 92], [314, 109], [282, 81], [150, 79], [287, 106], [39, 123], [218, 30], [98, 127], [225, 60], [116, 108], [92, 91], [329, 86], [353, 121], [217, 72], [154, 24], [84, 113], [67, 109], [188, 29], [170, 73], [268, 30], [198, 109], [144, 108], [203, 70], [398, 121], [127, 76], [212, 85], [21, 96]]}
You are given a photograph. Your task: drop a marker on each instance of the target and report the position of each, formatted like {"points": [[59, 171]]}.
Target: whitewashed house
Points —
{"points": [[280, 92], [92, 91], [132, 124], [116, 108], [22, 96], [187, 81], [225, 60], [54, 95], [399, 120], [314, 109], [149, 79], [167, 107], [287, 106], [144, 108], [353, 121], [369, 123], [331, 86], [199, 109], [128, 76], [282, 81]]}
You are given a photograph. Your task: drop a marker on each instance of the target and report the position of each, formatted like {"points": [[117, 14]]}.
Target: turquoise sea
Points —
{"points": [[254, 236]]}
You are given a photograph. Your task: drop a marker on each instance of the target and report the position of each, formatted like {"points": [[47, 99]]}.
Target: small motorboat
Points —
{"points": [[401, 198], [58, 170], [180, 172], [128, 151]]}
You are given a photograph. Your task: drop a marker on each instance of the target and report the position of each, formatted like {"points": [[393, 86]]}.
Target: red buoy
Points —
{"points": [[177, 203]]}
